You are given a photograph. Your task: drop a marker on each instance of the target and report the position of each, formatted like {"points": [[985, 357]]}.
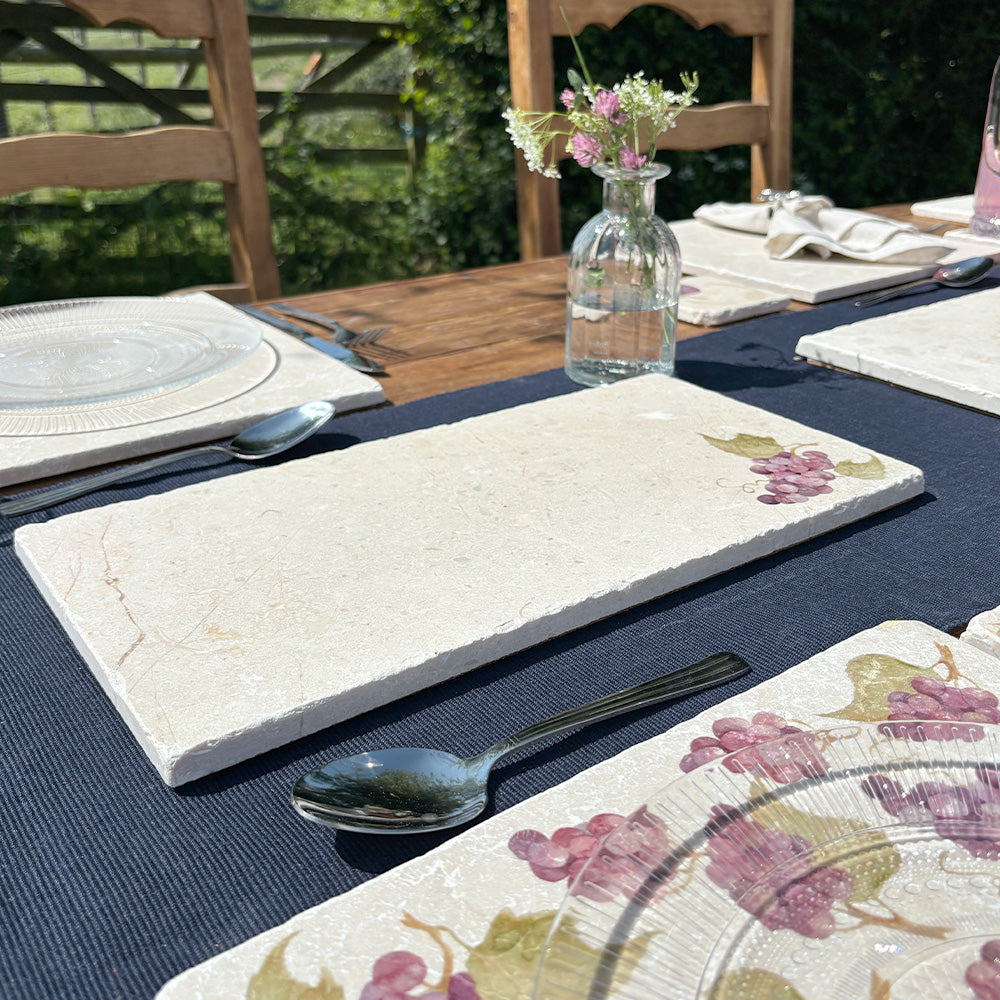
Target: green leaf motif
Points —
{"points": [[867, 856], [872, 861], [503, 965], [753, 984], [872, 469], [746, 445], [874, 677], [273, 981]]}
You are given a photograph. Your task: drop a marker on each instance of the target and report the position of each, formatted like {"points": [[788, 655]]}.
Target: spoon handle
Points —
{"points": [[891, 293], [705, 673], [77, 488]]}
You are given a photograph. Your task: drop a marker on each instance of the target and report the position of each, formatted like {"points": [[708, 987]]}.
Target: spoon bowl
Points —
{"points": [[269, 437], [412, 789], [958, 275]]}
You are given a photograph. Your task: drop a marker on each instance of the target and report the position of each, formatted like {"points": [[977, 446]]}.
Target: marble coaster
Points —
{"points": [[984, 631], [707, 300], [741, 257], [281, 373], [956, 209], [946, 349], [473, 912], [227, 618]]}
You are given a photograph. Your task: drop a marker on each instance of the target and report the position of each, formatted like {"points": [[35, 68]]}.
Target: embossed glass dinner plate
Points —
{"points": [[848, 863], [81, 352]]}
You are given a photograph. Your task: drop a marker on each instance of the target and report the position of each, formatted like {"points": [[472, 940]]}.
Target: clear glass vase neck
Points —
{"points": [[630, 192]]}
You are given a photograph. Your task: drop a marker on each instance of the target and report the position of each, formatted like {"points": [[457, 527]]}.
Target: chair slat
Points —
{"points": [[168, 18], [741, 18], [763, 123], [109, 162], [227, 150]]}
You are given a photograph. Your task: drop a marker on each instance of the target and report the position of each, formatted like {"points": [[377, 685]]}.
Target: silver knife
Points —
{"points": [[338, 351]]}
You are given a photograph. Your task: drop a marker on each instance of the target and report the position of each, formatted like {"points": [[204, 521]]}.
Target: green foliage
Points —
{"points": [[889, 104], [463, 211], [889, 99]]}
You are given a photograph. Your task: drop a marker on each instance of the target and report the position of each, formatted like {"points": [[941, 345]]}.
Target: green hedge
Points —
{"points": [[889, 102]]}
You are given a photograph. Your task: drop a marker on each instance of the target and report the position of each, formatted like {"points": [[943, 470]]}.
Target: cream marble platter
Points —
{"points": [[708, 300], [955, 209], [741, 257], [230, 617], [473, 910], [280, 373], [946, 349]]}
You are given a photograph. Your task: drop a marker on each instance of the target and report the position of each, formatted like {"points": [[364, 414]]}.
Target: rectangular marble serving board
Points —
{"points": [[946, 349], [806, 277], [280, 373], [495, 907], [230, 617]]}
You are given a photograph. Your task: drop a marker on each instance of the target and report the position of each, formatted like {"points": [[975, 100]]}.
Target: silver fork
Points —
{"points": [[341, 334]]}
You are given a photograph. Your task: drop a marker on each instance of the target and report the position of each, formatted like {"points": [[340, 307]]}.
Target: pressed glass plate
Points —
{"points": [[86, 352], [846, 863]]}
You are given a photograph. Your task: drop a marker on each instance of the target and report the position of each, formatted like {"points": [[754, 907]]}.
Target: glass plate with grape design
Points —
{"points": [[847, 863], [91, 352]]}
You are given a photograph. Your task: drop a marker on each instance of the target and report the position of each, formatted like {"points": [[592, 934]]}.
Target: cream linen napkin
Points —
{"points": [[811, 222]]}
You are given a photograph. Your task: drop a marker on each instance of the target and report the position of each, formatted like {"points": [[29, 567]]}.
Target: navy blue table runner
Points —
{"points": [[112, 883]]}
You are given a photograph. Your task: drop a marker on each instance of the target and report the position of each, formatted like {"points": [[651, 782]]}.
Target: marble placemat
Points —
{"points": [[469, 918], [946, 349], [741, 257], [956, 209], [708, 300], [227, 618], [281, 373]]}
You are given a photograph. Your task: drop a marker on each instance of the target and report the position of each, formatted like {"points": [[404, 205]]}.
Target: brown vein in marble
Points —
{"points": [[113, 582]]}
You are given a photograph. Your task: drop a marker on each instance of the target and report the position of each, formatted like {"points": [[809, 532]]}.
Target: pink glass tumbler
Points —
{"points": [[986, 200]]}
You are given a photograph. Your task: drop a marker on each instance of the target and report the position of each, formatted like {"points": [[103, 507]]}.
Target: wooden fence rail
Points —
{"points": [[40, 34]]}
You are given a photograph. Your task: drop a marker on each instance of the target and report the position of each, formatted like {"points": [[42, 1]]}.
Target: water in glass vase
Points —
{"points": [[607, 342], [622, 284]]}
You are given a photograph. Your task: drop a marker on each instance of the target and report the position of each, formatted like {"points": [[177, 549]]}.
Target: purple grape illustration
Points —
{"points": [[968, 815], [790, 752], [397, 973], [794, 478], [931, 709], [768, 873], [983, 976]]}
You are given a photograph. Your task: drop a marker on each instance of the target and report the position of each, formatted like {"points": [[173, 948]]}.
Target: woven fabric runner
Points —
{"points": [[112, 883]]}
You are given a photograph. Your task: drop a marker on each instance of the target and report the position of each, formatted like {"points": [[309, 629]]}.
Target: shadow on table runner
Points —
{"points": [[113, 883]]}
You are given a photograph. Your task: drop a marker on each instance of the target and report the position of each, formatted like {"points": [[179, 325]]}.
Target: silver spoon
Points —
{"points": [[411, 790], [269, 437], [957, 275]]}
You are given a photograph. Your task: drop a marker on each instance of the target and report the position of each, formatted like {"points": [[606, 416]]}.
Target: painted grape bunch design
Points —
{"points": [[794, 478], [794, 473]]}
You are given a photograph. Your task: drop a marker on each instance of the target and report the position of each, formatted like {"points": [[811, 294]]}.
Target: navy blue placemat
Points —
{"points": [[111, 883]]}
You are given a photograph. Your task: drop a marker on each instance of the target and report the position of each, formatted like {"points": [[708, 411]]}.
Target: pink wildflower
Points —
{"points": [[586, 149], [568, 98], [629, 159], [607, 105]]}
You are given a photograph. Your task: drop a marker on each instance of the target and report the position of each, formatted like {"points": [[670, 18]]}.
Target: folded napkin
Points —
{"points": [[811, 222]]}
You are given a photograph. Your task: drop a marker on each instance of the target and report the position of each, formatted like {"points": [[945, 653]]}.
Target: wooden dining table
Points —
{"points": [[476, 326]]}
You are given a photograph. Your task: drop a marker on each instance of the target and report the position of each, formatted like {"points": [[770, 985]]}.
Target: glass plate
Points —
{"points": [[846, 863], [80, 352]]}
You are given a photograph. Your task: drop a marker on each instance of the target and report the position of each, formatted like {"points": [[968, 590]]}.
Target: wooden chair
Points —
{"points": [[763, 122], [227, 150]]}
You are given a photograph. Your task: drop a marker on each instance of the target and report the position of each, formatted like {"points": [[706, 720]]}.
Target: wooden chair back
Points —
{"points": [[227, 151], [763, 123]]}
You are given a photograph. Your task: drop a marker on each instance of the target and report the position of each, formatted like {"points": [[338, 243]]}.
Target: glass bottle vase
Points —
{"points": [[986, 200], [624, 276]]}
